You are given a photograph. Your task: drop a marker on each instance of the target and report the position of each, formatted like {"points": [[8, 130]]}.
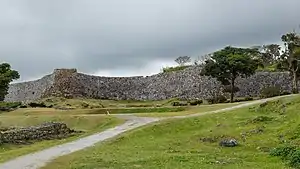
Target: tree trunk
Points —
{"points": [[232, 90], [295, 83]]}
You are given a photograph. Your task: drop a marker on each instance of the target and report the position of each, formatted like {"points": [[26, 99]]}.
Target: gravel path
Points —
{"points": [[41, 158]]}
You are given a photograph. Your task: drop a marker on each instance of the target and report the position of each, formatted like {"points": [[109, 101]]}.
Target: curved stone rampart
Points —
{"points": [[186, 84]]}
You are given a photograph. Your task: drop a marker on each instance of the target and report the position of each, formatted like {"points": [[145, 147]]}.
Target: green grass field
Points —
{"points": [[81, 123], [178, 144]]}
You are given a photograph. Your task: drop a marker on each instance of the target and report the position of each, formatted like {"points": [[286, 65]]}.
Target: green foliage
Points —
{"points": [[174, 69], [37, 104], [195, 102], [289, 60], [260, 119], [217, 99], [268, 56], [270, 91], [227, 89], [178, 103], [85, 105], [294, 159], [229, 63], [283, 151], [181, 60], [8, 106], [248, 98], [288, 153], [7, 75]]}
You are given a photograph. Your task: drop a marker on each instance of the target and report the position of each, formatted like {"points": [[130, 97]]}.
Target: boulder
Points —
{"points": [[228, 143]]}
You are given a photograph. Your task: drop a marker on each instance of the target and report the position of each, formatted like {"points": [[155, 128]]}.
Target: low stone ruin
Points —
{"points": [[45, 131]]}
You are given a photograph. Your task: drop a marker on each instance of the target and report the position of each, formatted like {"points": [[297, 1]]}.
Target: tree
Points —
{"points": [[229, 63], [270, 54], [7, 75], [290, 57], [181, 60]]}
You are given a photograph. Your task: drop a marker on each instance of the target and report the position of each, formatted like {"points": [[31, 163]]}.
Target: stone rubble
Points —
{"points": [[45, 131]]}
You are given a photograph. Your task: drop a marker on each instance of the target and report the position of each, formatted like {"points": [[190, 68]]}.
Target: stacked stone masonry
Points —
{"points": [[46, 131], [186, 84]]}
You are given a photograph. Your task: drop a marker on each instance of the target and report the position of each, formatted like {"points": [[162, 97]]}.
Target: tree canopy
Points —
{"points": [[289, 60], [229, 63], [7, 75], [181, 60]]}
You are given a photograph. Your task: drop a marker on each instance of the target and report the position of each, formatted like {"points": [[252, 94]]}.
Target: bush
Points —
{"points": [[272, 91], [179, 103], [174, 69], [195, 102], [285, 93], [85, 105], [294, 159], [288, 153], [227, 89], [35, 105], [259, 119], [283, 151], [248, 98], [217, 99], [243, 99], [9, 106]]}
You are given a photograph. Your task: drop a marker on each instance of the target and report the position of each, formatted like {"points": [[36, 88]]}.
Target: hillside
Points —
{"points": [[194, 142]]}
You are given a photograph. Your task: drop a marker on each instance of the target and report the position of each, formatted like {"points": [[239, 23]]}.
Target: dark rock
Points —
{"points": [[228, 143]]}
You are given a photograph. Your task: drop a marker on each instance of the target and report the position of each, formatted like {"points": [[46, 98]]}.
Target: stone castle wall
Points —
{"points": [[186, 84], [29, 90]]}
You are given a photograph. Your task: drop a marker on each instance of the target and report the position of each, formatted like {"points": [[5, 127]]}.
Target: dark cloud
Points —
{"points": [[127, 36]]}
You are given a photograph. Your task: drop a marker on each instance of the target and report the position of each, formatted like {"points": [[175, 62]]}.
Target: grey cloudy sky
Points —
{"points": [[132, 37]]}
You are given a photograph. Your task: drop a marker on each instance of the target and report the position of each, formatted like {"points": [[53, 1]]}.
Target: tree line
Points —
{"points": [[231, 62]]}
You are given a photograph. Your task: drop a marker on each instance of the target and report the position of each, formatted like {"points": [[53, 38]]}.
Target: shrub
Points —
{"points": [[227, 89], [176, 103], [195, 102], [174, 69], [248, 98], [294, 159], [243, 99], [271, 91], [288, 153], [261, 119], [283, 151], [285, 93], [217, 99], [35, 105], [9, 106], [85, 105]]}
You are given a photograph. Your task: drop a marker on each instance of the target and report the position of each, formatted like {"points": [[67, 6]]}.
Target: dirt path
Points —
{"points": [[41, 158]]}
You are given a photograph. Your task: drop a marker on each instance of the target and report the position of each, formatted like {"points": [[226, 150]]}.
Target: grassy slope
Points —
{"points": [[191, 110], [176, 143], [88, 124]]}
